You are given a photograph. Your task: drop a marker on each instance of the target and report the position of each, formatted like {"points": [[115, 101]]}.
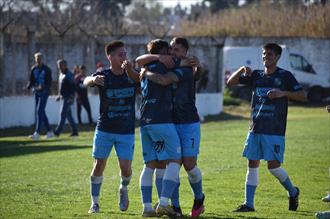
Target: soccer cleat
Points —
{"points": [[151, 213], [49, 135], [198, 207], [95, 208], [243, 208], [165, 210], [294, 201], [323, 215], [326, 198], [74, 135], [178, 211], [35, 136], [123, 199]]}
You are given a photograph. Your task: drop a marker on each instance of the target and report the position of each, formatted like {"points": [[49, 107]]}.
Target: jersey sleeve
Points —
{"points": [[183, 74], [247, 80], [291, 83]]}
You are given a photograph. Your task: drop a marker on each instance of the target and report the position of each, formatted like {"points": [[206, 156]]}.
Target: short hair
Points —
{"points": [[182, 41], [37, 54], [61, 61], [112, 46], [273, 47], [155, 46], [82, 67]]}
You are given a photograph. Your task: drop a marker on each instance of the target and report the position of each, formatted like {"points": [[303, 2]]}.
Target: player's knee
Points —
{"points": [[273, 164], [189, 165], [126, 170]]}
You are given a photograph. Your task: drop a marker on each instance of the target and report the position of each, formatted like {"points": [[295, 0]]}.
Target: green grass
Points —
{"points": [[50, 179]]}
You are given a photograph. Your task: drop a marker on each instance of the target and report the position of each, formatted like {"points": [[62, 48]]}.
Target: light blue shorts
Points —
{"points": [[160, 142], [190, 137], [266, 147], [104, 141]]}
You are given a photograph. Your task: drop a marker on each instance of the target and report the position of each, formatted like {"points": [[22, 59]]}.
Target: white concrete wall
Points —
{"points": [[19, 110]]}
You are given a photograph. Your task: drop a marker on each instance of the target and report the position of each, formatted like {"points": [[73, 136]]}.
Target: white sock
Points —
{"points": [[194, 175], [125, 181], [279, 173], [252, 176]]}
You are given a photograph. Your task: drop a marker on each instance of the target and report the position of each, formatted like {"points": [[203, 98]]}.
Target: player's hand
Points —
{"points": [[194, 61], [98, 80], [247, 71], [143, 73], [167, 60], [127, 65], [39, 88], [275, 93]]}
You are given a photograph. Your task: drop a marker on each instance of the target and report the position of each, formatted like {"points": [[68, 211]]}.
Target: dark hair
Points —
{"points": [[112, 46], [155, 46], [273, 47], [182, 41], [61, 61], [82, 67]]}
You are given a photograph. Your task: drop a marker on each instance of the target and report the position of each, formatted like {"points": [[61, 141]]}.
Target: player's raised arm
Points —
{"points": [[131, 72], [234, 78], [164, 80], [167, 60]]}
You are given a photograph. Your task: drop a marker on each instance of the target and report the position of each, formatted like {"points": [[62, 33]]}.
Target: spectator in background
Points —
{"points": [[99, 67], [66, 90], [203, 80], [40, 80], [76, 70], [82, 94]]}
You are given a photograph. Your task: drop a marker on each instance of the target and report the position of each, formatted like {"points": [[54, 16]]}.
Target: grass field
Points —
{"points": [[50, 178]]}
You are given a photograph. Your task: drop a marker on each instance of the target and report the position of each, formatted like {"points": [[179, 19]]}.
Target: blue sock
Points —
{"points": [[249, 195], [289, 187], [197, 189], [146, 193], [195, 181], [95, 187], [170, 181], [175, 196], [159, 180]]}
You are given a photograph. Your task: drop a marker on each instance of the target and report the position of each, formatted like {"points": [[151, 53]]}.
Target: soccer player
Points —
{"points": [[115, 126], [185, 117], [41, 81], [272, 87], [160, 141], [66, 93]]}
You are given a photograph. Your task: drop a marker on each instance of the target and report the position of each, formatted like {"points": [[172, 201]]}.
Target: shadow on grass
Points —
{"points": [[223, 117], [20, 148]]}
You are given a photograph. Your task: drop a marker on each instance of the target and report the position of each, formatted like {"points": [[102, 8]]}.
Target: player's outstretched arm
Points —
{"points": [[234, 78], [292, 95], [164, 80], [167, 60], [94, 80]]}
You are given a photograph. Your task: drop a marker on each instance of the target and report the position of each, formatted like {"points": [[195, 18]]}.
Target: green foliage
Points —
{"points": [[50, 178], [262, 20]]}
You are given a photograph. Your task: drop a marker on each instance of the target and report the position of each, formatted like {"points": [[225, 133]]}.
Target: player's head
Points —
{"points": [[76, 69], [116, 53], [38, 58], [271, 53], [179, 47], [62, 65], [82, 69], [158, 46]]}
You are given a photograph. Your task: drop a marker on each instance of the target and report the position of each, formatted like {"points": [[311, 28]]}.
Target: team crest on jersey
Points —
{"points": [[277, 82], [159, 146]]}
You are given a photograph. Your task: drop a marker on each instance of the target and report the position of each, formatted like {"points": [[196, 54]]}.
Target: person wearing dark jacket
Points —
{"points": [[40, 81], [82, 94], [66, 93]]}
